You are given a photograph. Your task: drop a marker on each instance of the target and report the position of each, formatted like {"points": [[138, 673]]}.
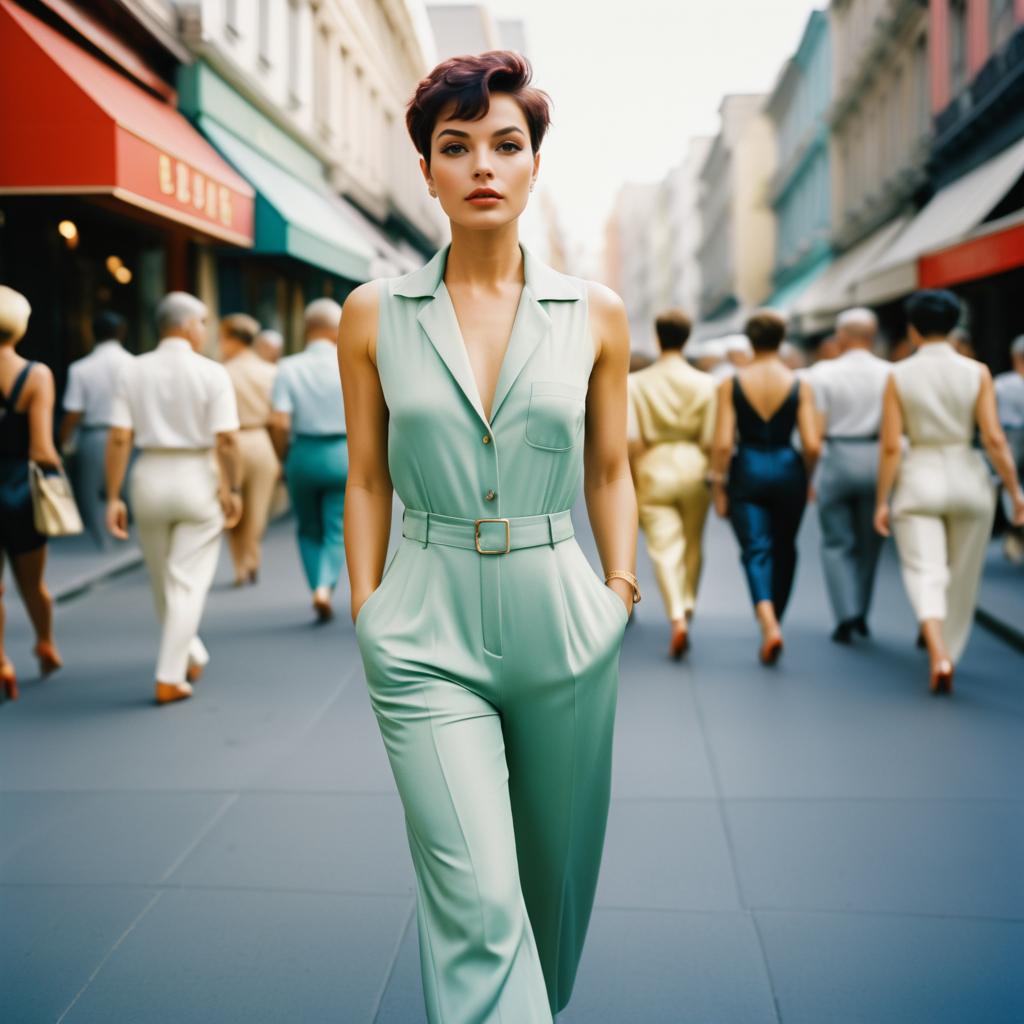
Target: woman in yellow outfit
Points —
{"points": [[672, 420], [484, 389]]}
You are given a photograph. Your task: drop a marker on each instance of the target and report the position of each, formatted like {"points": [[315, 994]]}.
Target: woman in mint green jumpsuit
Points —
{"points": [[491, 651]]}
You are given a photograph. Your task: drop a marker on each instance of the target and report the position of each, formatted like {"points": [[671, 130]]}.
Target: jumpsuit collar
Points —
{"points": [[531, 325]]}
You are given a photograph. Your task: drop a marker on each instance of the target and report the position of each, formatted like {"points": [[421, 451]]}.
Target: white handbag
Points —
{"points": [[53, 503]]}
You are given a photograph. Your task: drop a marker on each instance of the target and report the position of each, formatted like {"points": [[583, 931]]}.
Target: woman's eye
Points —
{"points": [[453, 147], [510, 147]]}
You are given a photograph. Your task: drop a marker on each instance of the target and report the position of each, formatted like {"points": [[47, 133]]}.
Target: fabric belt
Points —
{"points": [[488, 536], [854, 439]]}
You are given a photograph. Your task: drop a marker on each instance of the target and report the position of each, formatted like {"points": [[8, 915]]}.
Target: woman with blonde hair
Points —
{"points": [[26, 433]]}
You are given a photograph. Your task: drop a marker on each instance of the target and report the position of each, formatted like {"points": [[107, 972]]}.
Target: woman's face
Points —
{"points": [[482, 171]]}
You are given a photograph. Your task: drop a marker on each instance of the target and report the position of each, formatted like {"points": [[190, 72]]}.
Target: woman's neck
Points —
{"points": [[485, 259]]}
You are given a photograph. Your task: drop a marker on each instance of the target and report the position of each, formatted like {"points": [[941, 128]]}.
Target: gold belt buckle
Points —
{"points": [[492, 551]]}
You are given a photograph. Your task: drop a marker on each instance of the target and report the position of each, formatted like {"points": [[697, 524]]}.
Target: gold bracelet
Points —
{"points": [[622, 574]]}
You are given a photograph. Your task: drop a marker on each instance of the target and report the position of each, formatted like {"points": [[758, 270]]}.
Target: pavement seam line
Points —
{"points": [[403, 931], [203, 833], [113, 949], [767, 970]]}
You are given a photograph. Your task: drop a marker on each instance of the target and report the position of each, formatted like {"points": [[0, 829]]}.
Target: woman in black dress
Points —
{"points": [[26, 432]]}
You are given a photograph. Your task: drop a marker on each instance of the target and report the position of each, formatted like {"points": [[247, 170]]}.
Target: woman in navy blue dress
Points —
{"points": [[765, 491]]}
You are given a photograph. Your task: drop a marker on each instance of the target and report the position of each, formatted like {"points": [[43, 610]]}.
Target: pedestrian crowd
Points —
{"points": [[186, 448], [189, 449], [882, 447]]}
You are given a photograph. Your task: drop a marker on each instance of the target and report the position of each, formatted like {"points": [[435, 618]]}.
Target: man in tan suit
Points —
{"points": [[252, 379], [672, 417]]}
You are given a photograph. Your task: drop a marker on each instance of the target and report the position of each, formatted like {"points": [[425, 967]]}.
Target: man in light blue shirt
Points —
{"points": [[1010, 399], [308, 429]]}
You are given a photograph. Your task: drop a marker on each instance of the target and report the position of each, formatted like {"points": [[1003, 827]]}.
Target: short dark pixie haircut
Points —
{"points": [[765, 330], [107, 324], [468, 82], [673, 327], [933, 312]]}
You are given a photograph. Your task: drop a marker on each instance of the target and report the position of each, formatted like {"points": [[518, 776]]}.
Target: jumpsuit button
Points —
{"points": [[490, 496], [487, 438]]}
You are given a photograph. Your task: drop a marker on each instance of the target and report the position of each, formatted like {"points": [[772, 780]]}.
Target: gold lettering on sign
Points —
{"points": [[166, 175], [190, 186], [184, 195], [225, 206]]}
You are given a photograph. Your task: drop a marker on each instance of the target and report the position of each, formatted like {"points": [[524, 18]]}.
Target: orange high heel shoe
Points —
{"points": [[770, 650], [49, 658], [169, 693], [10, 680], [680, 642]]}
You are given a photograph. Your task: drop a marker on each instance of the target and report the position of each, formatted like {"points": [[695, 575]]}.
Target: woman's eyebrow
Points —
{"points": [[465, 135]]}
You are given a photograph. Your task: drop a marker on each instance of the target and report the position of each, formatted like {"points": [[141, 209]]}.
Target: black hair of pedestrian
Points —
{"points": [[107, 324], [766, 330], [673, 328], [933, 312]]}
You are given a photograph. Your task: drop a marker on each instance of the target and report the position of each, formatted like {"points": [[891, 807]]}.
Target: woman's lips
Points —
{"points": [[484, 200]]}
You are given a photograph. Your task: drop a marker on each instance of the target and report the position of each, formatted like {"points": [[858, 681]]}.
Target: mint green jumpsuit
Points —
{"points": [[493, 676]]}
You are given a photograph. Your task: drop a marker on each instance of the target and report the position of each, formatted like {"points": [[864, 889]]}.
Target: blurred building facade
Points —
{"points": [[684, 220], [738, 226], [631, 255], [801, 189]]}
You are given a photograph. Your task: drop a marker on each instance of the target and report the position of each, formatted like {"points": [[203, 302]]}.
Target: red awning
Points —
{"points": [[993, 249], [74, 125]]}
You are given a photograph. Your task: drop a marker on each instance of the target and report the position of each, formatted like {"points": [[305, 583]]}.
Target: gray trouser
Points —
{"points": [[849, 544], [88, 476]]}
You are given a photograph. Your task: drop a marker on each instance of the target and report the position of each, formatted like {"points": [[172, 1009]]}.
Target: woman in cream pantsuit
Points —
{"points": [[943, 500], [672, 423], [483, 389]]}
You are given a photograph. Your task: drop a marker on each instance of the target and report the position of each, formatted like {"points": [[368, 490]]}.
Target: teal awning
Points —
{"points": [[785, 296], [294, 217]]}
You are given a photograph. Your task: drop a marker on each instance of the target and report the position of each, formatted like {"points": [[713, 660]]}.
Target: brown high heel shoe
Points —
{"points": [[168, 693], [9, 679], [940, 678], [49, 658]]}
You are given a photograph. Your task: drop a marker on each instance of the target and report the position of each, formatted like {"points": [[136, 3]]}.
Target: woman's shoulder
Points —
{"points": [[601, 299]]}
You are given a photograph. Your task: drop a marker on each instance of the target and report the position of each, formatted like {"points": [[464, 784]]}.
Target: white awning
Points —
{"points": [[952, 213], [729, 323], [835, 289]]}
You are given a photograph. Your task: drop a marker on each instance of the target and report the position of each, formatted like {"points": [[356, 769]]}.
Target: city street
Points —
{"points": [[816, 844]]}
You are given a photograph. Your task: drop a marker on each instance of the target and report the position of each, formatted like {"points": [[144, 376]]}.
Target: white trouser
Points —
{"points": [[943, 507], [179, 520]]}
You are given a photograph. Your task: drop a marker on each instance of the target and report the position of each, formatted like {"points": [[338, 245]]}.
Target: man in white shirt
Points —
{"points": [[848, 394], [88, 398], [180, 408]]}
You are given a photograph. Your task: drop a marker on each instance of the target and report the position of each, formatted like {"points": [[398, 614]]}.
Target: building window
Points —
{"points": [[322, 95], [294, 95], [264, 32], [957, 46], [1001, 22], [231, 18]]}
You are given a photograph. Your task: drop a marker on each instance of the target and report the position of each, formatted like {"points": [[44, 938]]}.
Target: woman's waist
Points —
{"points": [[488, 535]]}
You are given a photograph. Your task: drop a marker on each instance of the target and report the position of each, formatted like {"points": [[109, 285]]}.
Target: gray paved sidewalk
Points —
{"points": [[819, 843]]}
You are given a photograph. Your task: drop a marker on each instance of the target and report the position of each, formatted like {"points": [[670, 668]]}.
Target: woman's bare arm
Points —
{"points": [[723, 442], [992, 437], [890, 450], [41, 448], [807, 422], [608, 483], [369, 490]]}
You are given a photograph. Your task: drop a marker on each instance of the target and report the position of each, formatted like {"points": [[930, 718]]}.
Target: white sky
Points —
{"points": [[631, 85]]}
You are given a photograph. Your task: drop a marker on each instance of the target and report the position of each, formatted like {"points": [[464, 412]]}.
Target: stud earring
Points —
{"points": [[433, 194]]}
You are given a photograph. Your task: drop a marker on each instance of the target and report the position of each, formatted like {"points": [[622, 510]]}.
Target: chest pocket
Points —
{"points": [[554, 421]]}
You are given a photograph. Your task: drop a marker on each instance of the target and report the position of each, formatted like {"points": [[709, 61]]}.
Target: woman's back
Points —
{"points": [[938, 392], [766, 403], [14, 422]]}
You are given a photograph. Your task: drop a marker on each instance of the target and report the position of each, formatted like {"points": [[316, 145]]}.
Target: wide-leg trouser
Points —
{"points": [[673, 502], [260, 472], [767, 497], [494, 680], [179, 522], [317, 470], [850, 545], [943, 508]]}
